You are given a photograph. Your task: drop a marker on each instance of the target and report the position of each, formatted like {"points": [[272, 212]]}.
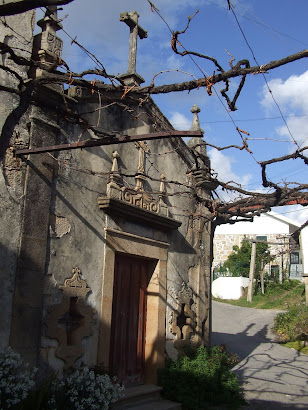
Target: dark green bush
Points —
{"points": [[293, 324], [273, 288], [200, 378]]}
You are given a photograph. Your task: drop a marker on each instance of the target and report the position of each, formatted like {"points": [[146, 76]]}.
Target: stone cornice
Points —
{"points": [[116, 207]]}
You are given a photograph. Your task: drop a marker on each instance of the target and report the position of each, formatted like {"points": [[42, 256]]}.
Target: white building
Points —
{"points": [[271, 227], [304, 247]]}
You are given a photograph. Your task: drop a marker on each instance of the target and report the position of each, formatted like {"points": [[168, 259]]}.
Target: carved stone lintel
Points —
{"points": [[118, 208]]}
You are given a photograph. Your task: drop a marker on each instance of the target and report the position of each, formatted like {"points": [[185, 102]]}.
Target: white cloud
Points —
{"points": [[180, 122], [97, 27], [222, 164], [292, 98]]}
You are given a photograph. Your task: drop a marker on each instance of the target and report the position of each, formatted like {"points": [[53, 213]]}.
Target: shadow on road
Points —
{"points": [[242, 343], [273, 376]]}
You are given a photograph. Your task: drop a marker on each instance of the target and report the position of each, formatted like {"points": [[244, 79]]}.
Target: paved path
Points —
{"points": [[274, 377]]}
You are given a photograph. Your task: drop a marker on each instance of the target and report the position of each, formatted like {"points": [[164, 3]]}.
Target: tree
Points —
{"points": [[238, 261], [245, 204]]}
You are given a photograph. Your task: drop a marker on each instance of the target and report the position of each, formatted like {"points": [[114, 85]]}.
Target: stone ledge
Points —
{"points": [[115, 207]]}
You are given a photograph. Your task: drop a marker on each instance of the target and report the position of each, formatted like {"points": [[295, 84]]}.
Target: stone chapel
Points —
{"points": [[105, 250]]}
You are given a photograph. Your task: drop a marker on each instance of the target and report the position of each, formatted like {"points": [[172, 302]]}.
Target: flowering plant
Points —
{"points": [[84, 389], [16, 380]]}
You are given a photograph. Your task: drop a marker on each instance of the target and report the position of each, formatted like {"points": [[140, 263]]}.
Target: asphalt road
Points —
{"points": [[273, 376]]}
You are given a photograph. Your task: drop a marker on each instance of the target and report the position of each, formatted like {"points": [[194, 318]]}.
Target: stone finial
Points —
{"points": [[131, 19], [114, 174], [140, 177], [50, 20], [195, 122], [47, 47], [115, 156], [162, 184], [142, 146], [196, 142]]}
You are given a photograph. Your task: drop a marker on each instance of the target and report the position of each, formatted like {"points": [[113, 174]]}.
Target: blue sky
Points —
{"points": [[273, 29]]}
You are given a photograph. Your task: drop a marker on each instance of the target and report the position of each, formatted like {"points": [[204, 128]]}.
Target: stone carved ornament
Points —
{"points": [[136, 196], [71, 320], [183, 318]]}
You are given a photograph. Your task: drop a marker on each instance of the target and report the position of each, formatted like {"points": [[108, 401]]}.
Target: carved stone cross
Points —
{"points": [[131, 19], [70, 321]]}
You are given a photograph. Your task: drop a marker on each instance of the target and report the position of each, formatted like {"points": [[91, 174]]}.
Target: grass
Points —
{"points": [[277, 296], [297, 345]]}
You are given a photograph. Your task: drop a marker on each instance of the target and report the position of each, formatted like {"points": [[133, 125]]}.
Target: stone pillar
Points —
{"points": [[33, 243], [29, 283], [201, 236], [16, 33]]}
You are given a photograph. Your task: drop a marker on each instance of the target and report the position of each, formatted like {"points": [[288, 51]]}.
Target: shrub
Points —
{"points": [[84, 390], [276, 288], [201, 377], [16, 380], [293, 324]]}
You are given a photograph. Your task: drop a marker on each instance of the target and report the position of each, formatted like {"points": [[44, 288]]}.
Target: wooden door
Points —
{"points": [[127, 341]]}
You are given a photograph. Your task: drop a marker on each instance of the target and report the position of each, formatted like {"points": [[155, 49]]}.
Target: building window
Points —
{"points": [[294, 258], [261, 238], [274, 271]]}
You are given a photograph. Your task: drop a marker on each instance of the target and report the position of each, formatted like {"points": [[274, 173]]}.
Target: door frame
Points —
{"points": [[157, 252]]}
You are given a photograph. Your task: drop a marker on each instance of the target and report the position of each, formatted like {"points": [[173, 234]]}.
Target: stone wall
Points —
{"points": [[223, 246], [78, 230], [17, 33]]}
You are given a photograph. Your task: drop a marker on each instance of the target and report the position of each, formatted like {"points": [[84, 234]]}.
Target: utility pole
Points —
{"points": [[252, 270], [253, 263]]}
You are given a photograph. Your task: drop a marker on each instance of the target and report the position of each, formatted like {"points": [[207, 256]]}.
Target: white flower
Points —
{"points": [[15, 379], [84, 389]]}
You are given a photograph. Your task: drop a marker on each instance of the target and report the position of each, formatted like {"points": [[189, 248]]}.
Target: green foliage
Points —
{"points": [[201, 377], [16, 379], [300, 346], [238, 261], [278, 288], [293, 324], [277, 296]]}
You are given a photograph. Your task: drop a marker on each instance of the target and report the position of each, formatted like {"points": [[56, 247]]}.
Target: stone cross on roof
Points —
{"points": [[131, 19]]}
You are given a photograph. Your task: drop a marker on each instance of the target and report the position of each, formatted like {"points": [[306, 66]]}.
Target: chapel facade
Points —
{"points": [[105, 248]]}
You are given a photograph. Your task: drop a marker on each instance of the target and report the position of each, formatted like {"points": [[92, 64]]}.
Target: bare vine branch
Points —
{"points": [[20, 6]]}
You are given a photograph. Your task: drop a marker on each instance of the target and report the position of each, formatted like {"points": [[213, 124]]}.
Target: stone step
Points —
{"points": [[157, 405], [147, 397]]}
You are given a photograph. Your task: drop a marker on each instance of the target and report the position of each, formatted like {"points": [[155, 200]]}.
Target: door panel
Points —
{"points": [[128, 319]]}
